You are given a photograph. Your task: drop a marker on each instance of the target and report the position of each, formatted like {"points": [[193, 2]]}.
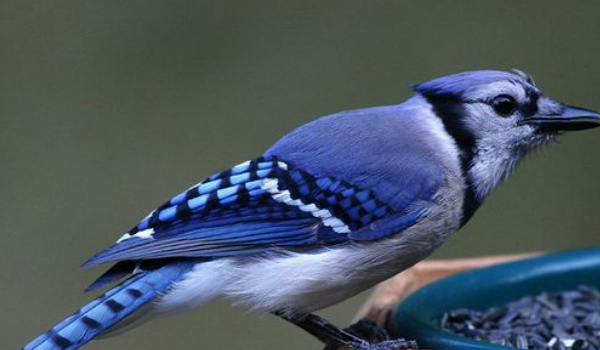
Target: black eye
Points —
{"points": [[504, 105]]}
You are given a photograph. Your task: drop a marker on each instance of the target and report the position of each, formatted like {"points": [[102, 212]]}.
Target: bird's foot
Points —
{"points": [[395, 344], [369, 331], [373, 337], [363, 335]]}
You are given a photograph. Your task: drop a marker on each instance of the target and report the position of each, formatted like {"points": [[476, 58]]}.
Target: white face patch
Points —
{"points": [[500, 141], [272, 186]]}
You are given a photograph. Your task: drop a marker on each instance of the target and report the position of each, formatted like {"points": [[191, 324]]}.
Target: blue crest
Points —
{"points": [[457, 85]]}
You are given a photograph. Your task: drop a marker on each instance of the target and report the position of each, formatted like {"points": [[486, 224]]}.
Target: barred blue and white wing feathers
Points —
{"points": [[261, 205], [110, 308]]}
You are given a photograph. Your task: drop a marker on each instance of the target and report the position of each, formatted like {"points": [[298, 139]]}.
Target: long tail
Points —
{"points": [[110, 308]]}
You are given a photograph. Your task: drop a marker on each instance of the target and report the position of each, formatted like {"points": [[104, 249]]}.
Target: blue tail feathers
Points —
{"points": [[110, 308]]}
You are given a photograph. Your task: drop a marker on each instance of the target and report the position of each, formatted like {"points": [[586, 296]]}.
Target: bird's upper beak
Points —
{"points": [[570, 119]]}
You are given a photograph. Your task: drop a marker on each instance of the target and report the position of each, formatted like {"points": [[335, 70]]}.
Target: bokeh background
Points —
{"points": [[107, 108]]}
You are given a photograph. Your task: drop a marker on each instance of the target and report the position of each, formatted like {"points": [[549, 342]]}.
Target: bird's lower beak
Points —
{"points": [[571, 119]]}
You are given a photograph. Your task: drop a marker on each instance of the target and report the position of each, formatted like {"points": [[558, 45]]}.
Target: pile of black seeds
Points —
{"points": [[553, 321]]}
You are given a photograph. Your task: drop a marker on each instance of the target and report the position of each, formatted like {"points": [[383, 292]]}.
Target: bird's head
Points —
{"points": [[497, 117]]}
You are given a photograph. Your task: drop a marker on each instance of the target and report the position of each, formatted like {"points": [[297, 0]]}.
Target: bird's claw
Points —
{"points": [[373, 337], [369, 331], [395, 344]]}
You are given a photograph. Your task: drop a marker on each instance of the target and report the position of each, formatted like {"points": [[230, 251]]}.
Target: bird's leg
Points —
{"points": [[354, 336]]}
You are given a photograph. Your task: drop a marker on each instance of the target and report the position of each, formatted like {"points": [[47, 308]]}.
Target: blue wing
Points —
{"points": [[258, 206]]}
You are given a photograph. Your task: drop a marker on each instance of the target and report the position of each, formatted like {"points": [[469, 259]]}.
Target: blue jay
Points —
{"points": [[331, 209]]}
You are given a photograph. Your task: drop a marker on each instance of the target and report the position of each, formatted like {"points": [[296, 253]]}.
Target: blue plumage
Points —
{"points": [[109, 308], [219, 192], [332, 208], [458, 86], [379, 149], [244, 218]]}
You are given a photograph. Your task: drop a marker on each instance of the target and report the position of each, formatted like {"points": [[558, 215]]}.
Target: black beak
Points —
{"points": [[571, 119]]}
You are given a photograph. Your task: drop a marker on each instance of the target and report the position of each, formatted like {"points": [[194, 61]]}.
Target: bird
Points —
{"points": [[329, 210]]}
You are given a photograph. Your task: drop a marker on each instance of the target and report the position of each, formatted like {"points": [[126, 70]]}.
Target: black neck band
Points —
{"points": [[451, 113]]}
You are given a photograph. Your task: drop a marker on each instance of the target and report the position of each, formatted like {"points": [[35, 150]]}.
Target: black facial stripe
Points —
{"points": [[531, 107], [451, 113]]}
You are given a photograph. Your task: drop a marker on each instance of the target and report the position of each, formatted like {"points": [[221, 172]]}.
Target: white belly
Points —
{"points": [[296, 283]]}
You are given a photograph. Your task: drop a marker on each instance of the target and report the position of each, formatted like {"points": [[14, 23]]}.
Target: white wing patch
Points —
{"points": [[272, 186], [145, 234]]}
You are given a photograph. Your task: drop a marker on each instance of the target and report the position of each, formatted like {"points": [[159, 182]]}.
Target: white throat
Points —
{"points": [[489, 167]]}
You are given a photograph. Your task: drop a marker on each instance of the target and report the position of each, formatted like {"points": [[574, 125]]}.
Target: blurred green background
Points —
{"points": [[107, 108]]}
